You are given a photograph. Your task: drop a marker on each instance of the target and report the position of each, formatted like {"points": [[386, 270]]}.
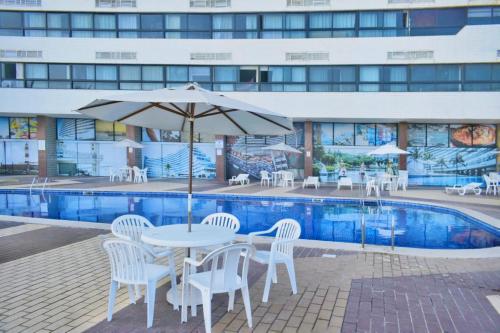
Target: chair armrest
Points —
{"points": [[192, 262], [257, 233]]}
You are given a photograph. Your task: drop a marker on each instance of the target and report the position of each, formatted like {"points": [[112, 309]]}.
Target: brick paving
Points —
{"points": [[64, 288]]}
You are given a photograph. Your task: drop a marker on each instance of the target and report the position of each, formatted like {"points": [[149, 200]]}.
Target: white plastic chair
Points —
{"points": [[287, 232], [130, 227], [311, 181], [221, 278], [137, 174], [242, 179], [130, 265], [265, 178], [144, 175], [113, 173], [402, 180], [490, 185], [371, 185], [223, 220], [344, 182], [385, 182], [287, 179]]}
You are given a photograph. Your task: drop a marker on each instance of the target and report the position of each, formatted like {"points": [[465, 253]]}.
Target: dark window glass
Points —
{"points": [[478, 72], [199, 74], [106, 73], [199, 22], [320, 74], [11, 20], [58, 21], [83, 72], [177, 73], [423, 73], [35, 71], [320, 20], [248, 75], [447, 73], [105, 22], [246, 22], [81, 21], [8, 71], [152, 22], [344, 74], [175, 22], [59, 72], [34, 20], [394, 73], [226, 74]]}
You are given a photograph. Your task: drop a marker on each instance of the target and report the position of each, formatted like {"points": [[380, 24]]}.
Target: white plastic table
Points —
{"points": [[177, 235]]}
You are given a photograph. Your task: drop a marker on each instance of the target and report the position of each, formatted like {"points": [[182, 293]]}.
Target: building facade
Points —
{"points": [[352, 74]]}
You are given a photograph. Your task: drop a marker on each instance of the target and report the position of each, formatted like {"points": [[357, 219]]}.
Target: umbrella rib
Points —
{"points": [[232, 120], [164, 108], [136, 112], [270, 120], [206, 114], [179, 109], [98, 105]]}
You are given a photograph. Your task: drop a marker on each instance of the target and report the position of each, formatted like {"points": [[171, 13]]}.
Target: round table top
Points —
{"points": [[177, 235]]}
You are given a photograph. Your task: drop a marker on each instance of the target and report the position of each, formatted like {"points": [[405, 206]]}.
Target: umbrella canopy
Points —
{"points": [[192, 109], [127, 143], [388, 149], [282, 147]]}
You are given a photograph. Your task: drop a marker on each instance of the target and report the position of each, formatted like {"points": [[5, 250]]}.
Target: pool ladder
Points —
{"points": [[36, 180], [363, 231]]}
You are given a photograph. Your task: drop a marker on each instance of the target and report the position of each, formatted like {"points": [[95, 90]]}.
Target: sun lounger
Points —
{"points": [[242, 179], [464, 189], [311, 181], [344, 182]]}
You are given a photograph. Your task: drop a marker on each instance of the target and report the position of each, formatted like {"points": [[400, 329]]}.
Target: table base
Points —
{"points": [[197, 297]]}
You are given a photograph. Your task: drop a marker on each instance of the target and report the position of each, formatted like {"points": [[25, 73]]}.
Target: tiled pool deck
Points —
{"points": [[56, 279]]}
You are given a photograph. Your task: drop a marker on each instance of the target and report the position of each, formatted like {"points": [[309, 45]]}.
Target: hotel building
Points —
{"points": [[424, 74]]}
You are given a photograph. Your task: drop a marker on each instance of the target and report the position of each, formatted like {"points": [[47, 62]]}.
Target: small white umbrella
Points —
{"points": [[388, 149], [282, 147], [127, 143], [189, 108]]}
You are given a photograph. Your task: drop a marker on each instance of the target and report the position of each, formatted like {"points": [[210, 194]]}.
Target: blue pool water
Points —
{"points": [[421, 226]]}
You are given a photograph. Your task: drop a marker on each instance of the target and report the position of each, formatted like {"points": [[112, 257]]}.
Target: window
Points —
{"points": [[369, 76], [8, 71], [130, 73], [343, 134], [152, 73], [59, 72], [33, 20], [416, 135], [272, 22], [85, 129], [103, 130], [246, 22], [295, 21], [83, 72], [152, 22], [199, 22], [175, 22], [323, 133], [365, 134], [222, 22], [66, 129], [478, 72], [177, 73], [226, 74], [36, 71], [320, 20], [104, 22], [11, 20], [82, 21], [128, 21], [199, 74], [19, 128], [106, 73], [437, 21], [58, 21]]}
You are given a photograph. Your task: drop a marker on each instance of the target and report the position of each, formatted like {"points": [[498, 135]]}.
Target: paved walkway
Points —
{"points": [[64, 286]]}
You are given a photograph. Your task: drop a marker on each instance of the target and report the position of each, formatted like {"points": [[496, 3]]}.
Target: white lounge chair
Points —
{"points": [[130, 265], [491, 185], [242, 179], [265, 178], [288, 231], [402, 180], [311, 181], [344, 182], [464, 189], [218, 280]]}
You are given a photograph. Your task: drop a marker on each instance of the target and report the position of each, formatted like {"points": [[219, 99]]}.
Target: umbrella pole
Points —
{"points": [[190, 185]]}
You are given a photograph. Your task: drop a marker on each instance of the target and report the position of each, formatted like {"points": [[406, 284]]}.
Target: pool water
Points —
{"points": [[421, 226]]}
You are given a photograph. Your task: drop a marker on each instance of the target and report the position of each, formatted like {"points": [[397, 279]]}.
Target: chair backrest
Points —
{"points": [[264, 174], [130, 227], [403, 174], [241, 176], [471, 186], [486, 179], [223, 220], [127, 259], [312, 179], [288, 229], [287, 175], [229, 258]]}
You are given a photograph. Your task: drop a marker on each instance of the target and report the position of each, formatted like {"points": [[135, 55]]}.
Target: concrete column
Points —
{"points": [[134, 156], [46, 135], [220, 159], [308, 149], [402, 143]]}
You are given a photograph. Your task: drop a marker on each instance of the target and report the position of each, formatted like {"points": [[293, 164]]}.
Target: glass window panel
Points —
{"points": [[83, 85], [66, 129], [152, 73], [82, 34], [37, 84], [175, 22], [8, 71], [344, 74], [128, 21], [81, 21], [35, 71], [416, 135], [199, 22], [199, 74], [369, 87], [59, 85], [103, 130], [153, 86], [151, 135], [222, 35], [437, 135], [85, 129], [226, 74], [177, 73], [387, 133], [120, 131], [33, 122], [481, 12], [369, 73], [320, 20], [104, 34], [4, 128], [130, 73], [222, 22], [106, 72], [297, 74], [395, 73], [323, 133], [478, 72], [58, 21], [248, 75], [344, 134], [35, 33], [495, 73], [295, 21], [151, 22], [34, 20], [130, 86], [423, 73], [447, 72], [58, 33], [104, 21], [59, 72], [246, 22], [391, 19], [272, 21], [11, 20], [19, 128], [320, 74], [365, 134], [170, 136], [344, 20], [83, 72], [368, 19], [294, 87]]}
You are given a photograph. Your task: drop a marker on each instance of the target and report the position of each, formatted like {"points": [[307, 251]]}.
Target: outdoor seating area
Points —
{"points": [[138, 244], [129, 174]]}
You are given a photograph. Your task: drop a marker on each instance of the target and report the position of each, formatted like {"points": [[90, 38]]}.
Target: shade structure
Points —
{"points": [[127, 143], [282, 147], [388, 149], [188, 108]]}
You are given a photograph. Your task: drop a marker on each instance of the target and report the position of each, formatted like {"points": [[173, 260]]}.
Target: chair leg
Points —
{"points": [[131, 293], [230, 303], [291, 273], [173, 283], [151, 292], [185, 289], [111, 300], [248, 308], [194, 308], [275, 274], [267, 286], [207, 311]]}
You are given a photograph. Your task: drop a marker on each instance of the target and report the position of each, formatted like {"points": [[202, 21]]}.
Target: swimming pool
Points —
{"points": [[339, 220]]}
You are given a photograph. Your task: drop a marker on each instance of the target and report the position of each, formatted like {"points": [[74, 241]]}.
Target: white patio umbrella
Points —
{"points": [[189, 108], [388, 149], [127, 143], [283, 148]]}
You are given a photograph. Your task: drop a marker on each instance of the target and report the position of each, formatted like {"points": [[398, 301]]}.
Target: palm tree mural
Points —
{"points": [[416, 154], [441, 163]]}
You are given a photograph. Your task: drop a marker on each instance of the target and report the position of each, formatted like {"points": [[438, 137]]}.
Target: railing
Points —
{"points": [[36, 180], [363, 229]]}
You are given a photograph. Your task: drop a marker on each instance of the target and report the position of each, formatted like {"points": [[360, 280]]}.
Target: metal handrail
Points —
{"points": [[393, 236], [36, 180], [363, 231]]}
